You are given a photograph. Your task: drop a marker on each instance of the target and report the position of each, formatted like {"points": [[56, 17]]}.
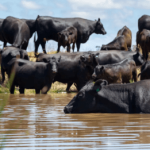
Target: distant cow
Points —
{"points": [[123, 40], [67, 37], [7, 55], [15, 32], [32, 75], [121, 72], [48, 27], [145, 71], [143, 39]]}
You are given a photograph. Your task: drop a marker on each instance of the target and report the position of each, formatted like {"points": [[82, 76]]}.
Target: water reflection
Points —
{"points": [[38, 122]]}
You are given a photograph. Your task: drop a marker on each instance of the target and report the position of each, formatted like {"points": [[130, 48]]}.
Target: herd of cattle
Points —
{"points": [[99, 76]]}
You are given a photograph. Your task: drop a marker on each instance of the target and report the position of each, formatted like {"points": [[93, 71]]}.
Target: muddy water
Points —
{"points": [[38, 122]]}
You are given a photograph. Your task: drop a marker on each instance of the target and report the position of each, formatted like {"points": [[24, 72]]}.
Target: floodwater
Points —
{"points": [[38, 122]]}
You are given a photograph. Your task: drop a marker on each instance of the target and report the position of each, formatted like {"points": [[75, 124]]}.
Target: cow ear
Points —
{"points": [[98, 19], [82, 58], [98, 86], [99, 83]]}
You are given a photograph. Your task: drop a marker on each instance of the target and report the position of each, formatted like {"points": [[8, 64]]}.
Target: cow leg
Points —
{"points": [[43, 46], [68, 86], [4, 45], [78, 46], [73, 46], [21, 90], [36, 46], [68, 48], [134, 75], [25, 45], [3, 74], [45, 89], [58, 49], [12, 88], [37, 91]]}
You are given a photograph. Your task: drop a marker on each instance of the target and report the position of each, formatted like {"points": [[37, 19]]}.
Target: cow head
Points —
{"points": [[88, 59], [85, 101], [99, 29], [63, 37], [98, 72], [52, 63]]}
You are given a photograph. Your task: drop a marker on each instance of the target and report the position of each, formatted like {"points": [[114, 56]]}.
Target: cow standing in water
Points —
{"points": [[15, 32], [48, 27], [123, 41]]}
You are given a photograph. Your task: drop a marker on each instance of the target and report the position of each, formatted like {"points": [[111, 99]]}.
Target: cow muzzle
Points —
{"points": [[94, 76]]}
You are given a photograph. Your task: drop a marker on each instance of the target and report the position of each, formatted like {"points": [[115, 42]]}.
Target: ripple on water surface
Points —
{"points": [[38, 122]]}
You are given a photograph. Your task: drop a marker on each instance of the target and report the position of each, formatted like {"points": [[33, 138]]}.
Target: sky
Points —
{"points": [[114, 14]]}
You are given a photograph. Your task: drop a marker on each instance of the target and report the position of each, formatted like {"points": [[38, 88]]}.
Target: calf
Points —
{"points": [[32, 75], [121, 72], [7, 55], [99, 97], [66, 37]]}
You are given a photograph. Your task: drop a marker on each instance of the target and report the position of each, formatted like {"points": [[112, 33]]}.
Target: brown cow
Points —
{"points": [[121, 72], [143, 39], [123, 41], [66, 37]]}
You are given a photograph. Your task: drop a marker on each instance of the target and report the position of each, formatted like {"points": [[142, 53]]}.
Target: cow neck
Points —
{"points": [[92, 27]]}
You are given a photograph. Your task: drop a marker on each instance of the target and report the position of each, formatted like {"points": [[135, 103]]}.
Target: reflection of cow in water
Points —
{"points": [[121, 42]]}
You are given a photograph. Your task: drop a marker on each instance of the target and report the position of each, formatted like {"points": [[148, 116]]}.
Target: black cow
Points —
{"points": [[15, 32], [99, 97], [70, 69], [32, 75], [144, 23], [48, 27], [7, 55], [145, 71]]}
